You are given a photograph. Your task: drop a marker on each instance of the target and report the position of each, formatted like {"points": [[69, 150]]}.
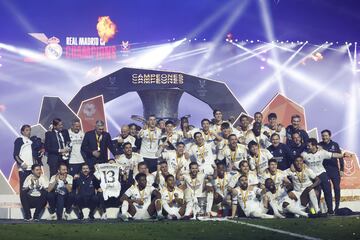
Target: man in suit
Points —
{"points": [[96, 144], [57, 143]]}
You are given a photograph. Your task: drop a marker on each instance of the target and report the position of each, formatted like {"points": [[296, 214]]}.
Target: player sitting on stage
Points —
{"points": [[136, 201], [282, 200], [247, 197], [304, 181], [172, 202], [221, 196]]}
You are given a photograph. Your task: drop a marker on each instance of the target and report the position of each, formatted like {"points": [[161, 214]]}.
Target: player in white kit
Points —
{"points": [[203, 153], [172, 201], [248, 199], [136, 201], [259, 158], [233, 153], [304, 181], [282, 200], [195, 182]]}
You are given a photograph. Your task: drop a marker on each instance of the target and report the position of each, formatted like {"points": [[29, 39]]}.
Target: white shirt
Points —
{"points": [[149, 142], [282, 132], [263, 140], [252, 179], [278, 177], [76, 141], [301, 180], [260, 163], [221, 184], [60, 187], [35, 185], [129, 139], [247, 199], [205, 156], [174, 161], [233, 158], [108, 174], [127, 164], [194, 186], [168, 196], [25, 153], [134, 193], [315, 160]]}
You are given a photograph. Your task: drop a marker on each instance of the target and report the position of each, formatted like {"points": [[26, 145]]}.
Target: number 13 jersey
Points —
{"points": [[108, 174]]}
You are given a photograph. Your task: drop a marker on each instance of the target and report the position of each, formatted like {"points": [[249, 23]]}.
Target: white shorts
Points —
{"points": [[142, 213], [173, 210]]}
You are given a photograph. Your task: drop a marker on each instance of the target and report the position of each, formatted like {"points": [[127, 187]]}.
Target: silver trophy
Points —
{"points": [[66, 156]]}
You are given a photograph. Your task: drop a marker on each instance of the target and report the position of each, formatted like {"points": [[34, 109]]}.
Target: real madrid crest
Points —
{"points": [[53, 50]]}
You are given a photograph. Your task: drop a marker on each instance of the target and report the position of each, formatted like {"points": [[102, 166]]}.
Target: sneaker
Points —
{"points": [[124, 218], [27, 219], [52, 217], [36, 220]]}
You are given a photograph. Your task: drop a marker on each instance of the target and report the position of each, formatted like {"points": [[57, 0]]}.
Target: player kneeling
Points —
{"points": [[172, 200], [247, 198], [282, 200], [136, 201]]}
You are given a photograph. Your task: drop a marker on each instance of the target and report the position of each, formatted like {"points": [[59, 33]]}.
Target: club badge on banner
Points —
{"points": [[90, 111]]}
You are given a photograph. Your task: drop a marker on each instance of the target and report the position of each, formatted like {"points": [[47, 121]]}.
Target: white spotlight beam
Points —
{"points": [[220, 35], [267, 22], [8, 125]]}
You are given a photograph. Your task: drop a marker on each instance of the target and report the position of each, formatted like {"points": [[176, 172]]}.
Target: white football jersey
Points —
{"points": [[205, 156], [260, 163], [108, 174], [149, 142], [262, 140], [282, 132], [76, 141], [169, 196], [174, 162], [252, 179], [134, 193], [233, 158], [127, 163], [248, 200], [221, 184], [315, 160], [279, 177], [301, 180], [194, 186]]}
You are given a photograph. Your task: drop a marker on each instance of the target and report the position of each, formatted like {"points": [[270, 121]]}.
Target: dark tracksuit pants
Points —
{"points": [[334, 175], [89, 201], [58, 202], [29, 202], [326, 187]]}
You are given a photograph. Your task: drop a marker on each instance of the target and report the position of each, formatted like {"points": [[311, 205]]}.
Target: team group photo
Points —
{"points": [[179, 119]]}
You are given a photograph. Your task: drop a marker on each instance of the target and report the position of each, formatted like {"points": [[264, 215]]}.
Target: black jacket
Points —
{"points": [[89, 145], [52, 145]]}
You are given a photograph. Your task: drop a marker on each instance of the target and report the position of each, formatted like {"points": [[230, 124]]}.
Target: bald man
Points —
{"points": [[124, 137]]}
